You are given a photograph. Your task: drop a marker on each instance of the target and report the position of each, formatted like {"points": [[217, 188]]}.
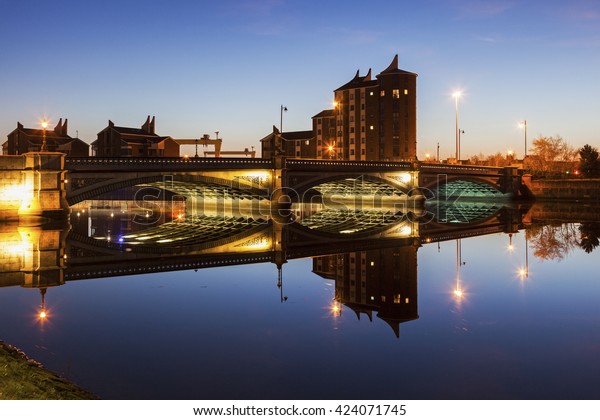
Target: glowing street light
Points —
{"points": [[330, 149], [44, 125], [456, 95]]}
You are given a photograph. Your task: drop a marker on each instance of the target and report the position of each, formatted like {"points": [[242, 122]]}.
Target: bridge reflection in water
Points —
{"points": [[370, 253]]}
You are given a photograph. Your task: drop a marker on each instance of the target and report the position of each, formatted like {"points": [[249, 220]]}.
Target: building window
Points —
{"points": [[397, 298], [362, 107], [371, 93], [351, 140], [351, 129], [351, 107], [362, 152], [351, 152], [382, 93], [396, 93], [351, 96], [351, 118], [297, 153], [319, 131], [371, 127], [406, 91], [319, 121]]}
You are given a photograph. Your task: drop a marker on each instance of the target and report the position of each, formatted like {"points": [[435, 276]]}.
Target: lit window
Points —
{"points": [[371, 127], [383, 299], [372, 263], [382, 93], [406, 300], [406, 91], [396, 93], [397, 298], [371, 93]]}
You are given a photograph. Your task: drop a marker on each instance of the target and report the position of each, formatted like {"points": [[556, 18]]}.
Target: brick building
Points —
{"points": [[372, 119], [23, 140], [115, 141]]}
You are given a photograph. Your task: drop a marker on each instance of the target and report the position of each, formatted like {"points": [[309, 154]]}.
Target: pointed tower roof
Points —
{"points": [[393, 68], [358, 81]]}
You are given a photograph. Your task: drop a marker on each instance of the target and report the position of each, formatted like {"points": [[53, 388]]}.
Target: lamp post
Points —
{"points": [[44, 125], [458, 291], [283, 108], [523, 124], [456, 95]]}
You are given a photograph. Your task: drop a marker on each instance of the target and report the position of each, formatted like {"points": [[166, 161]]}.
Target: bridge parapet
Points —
{"points": [[462, 169], [346, 165], [158, 164]]}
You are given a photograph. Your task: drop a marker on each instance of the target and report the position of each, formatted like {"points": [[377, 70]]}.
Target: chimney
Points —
{"points": [[110, 123], [152, 126], [58, 128], [64, 129], [146, 125]]}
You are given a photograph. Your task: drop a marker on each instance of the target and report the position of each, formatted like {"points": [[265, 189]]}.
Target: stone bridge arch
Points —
{"points": [[83, 186]]}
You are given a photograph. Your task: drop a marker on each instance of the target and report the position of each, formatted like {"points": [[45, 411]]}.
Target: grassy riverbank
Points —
{"points": [[24, 379]]}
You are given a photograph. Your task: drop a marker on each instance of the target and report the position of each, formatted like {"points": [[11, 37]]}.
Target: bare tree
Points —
{"points": [[551, 154]]}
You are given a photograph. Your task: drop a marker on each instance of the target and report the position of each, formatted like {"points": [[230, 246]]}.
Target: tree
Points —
{"points": [[551, 154], [589, 165], [590, 236]]}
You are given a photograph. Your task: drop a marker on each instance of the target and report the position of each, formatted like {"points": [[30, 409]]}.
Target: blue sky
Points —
{"points": [[203, 66]]}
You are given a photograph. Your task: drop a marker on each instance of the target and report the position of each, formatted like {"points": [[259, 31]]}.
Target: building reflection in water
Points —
{"points": [[381, 280], [370, 255]]}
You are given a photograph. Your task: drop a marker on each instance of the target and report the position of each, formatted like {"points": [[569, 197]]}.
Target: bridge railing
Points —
{"points": [[476, 170], [345, 165], [158, 164]]}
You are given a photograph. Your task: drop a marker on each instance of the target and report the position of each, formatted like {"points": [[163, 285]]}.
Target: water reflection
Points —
{"points": [[371, 255], [381, 266]]}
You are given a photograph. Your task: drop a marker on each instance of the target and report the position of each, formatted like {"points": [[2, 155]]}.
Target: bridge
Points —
{"points": [[48, 183], [49, 255]]}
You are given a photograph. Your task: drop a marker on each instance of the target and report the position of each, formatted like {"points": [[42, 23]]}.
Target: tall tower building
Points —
{"points": [[376, 119]]}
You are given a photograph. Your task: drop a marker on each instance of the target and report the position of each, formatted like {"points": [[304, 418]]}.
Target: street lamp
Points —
{"points": [[283, 108], [44, 125], [457, 95], [523, 125], [330, 148]]}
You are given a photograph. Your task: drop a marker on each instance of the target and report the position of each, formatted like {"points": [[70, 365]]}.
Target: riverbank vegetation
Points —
{"points": [[24, 379]]}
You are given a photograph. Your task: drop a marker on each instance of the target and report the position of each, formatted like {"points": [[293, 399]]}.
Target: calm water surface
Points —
{"points": [[231, 333]]}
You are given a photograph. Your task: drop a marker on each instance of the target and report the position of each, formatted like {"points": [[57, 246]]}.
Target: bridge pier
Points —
{"points": [[43, 260], [43, 183]]}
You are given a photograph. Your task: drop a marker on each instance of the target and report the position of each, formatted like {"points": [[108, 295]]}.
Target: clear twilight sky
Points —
{"points": [[228, 66]]}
